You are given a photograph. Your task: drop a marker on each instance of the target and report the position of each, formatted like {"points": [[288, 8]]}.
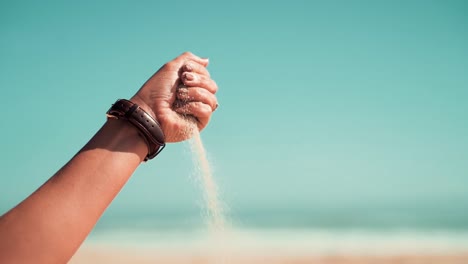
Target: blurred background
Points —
{"points": [[334, 116]]}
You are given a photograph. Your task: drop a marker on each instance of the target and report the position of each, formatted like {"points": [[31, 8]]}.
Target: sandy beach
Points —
{"points": [[275, 247], [90, 255]]}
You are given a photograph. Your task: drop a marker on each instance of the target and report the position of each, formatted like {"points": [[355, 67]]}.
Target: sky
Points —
{"points": [[323, 104]]}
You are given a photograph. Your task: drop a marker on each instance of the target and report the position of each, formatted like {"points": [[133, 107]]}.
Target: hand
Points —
{"points": [[179, 93]]}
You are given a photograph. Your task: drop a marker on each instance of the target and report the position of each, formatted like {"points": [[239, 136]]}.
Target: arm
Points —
{"points": [[50, 225]]}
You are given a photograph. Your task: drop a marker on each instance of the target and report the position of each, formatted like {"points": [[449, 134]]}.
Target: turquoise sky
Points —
{"points": [[323, 104]]}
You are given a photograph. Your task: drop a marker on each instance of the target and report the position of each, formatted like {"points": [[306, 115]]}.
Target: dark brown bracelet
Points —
{"points": [[147, 126]]}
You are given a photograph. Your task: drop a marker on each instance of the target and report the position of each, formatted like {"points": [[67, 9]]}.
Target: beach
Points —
{"points": [[275, 246], [100, 255]]}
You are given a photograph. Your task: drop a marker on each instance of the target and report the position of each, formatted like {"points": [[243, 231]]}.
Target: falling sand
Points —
{"points": [[214, 209]]}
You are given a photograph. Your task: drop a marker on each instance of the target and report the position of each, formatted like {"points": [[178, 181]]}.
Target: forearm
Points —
{"points": [[50, 225]]}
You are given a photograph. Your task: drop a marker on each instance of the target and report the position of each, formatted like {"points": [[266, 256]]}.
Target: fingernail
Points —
{"points": [[189, 76]]}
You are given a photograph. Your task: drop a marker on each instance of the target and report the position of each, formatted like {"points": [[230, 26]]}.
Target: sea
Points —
{"points": [[308, 231]]}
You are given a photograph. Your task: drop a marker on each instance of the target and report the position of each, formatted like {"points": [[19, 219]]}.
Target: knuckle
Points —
{"points": [[188, 66], [187, 54], [215, 86]]}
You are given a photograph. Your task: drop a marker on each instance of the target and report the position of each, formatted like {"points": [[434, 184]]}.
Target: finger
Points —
{"points": [[196, 80], [186, 56], [199, 110], [193, 66], [197, 94]]}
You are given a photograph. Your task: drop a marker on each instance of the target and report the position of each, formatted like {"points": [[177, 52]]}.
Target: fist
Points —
{"points": [[180, 95]]}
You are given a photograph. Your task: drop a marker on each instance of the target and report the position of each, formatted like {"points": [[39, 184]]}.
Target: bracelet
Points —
{"points": [[147, 126]]}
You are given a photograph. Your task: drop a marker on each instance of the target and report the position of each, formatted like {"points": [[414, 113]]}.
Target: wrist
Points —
{"points": [[119, 136], [137, 99], [147, 126]]}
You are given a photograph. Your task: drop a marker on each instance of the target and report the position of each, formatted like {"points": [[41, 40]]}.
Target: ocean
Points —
{"points": [[318, 231]]}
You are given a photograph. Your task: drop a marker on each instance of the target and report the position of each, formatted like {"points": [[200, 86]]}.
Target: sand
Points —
{"points": [[215, 218], [245, 246], [95, 255]]}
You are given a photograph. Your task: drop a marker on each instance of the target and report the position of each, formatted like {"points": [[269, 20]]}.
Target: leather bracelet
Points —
{"points": [[147, 126]]}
